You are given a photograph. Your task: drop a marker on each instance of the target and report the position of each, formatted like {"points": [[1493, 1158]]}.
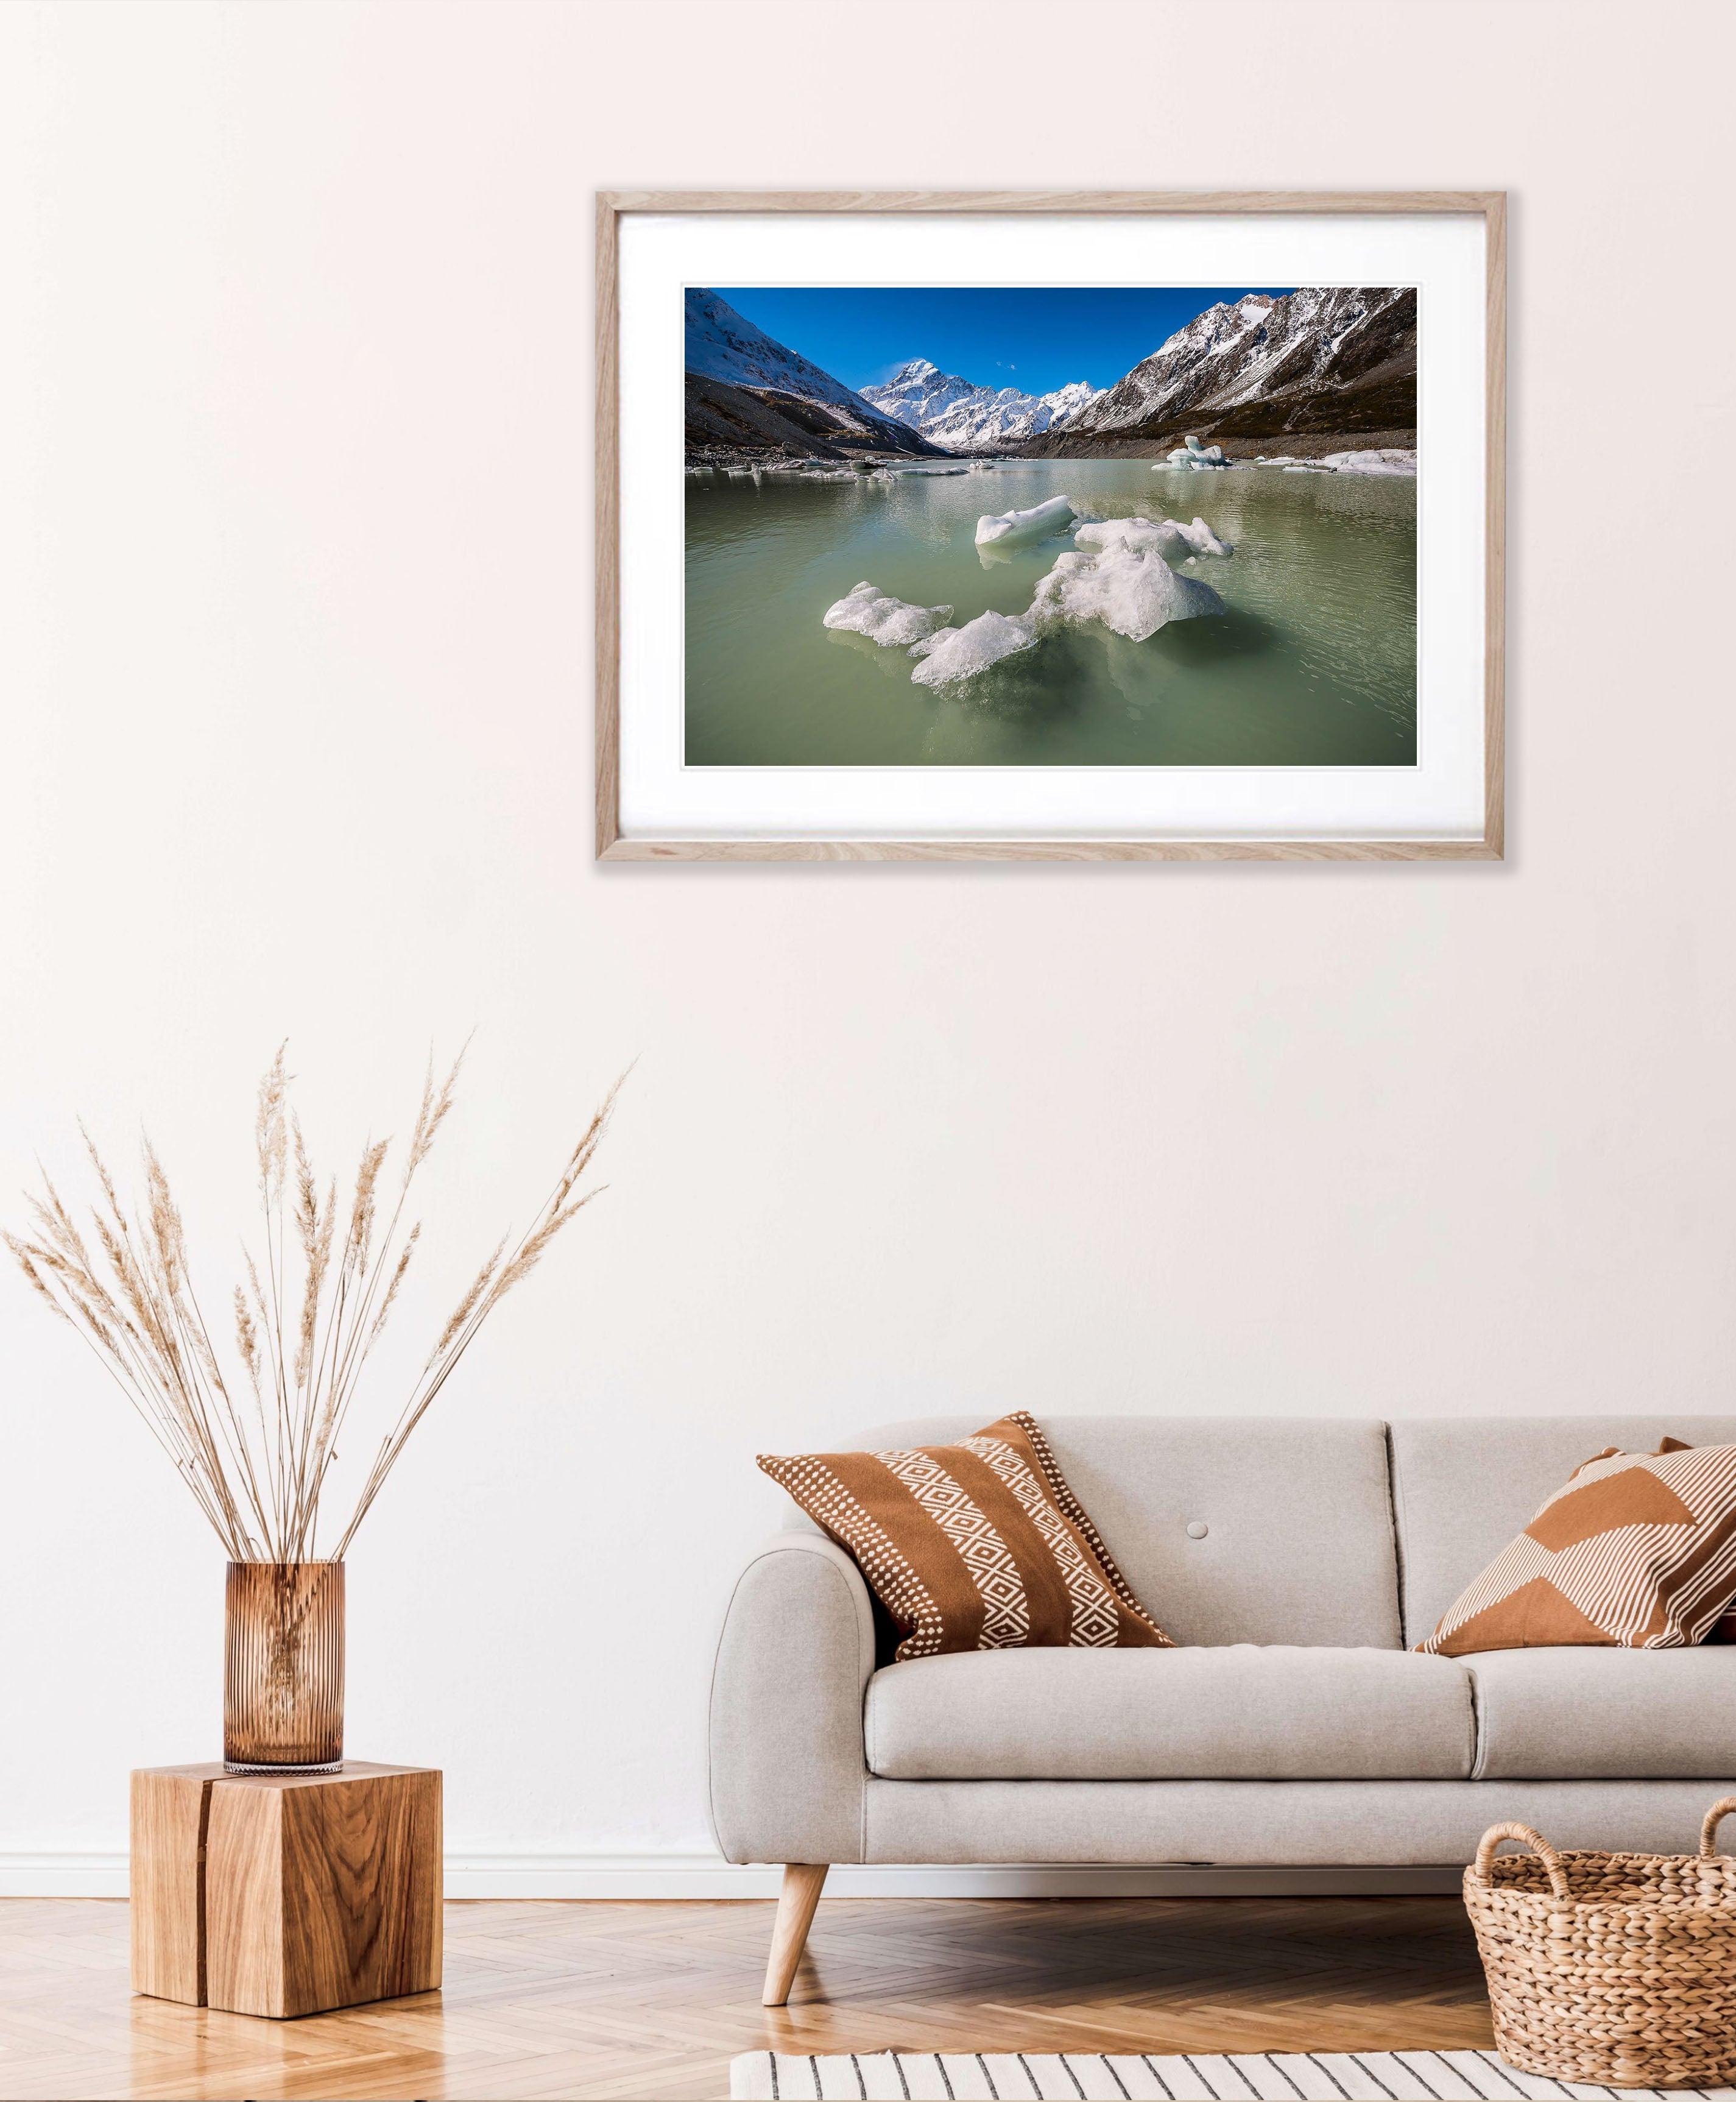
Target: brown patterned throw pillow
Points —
{"points": [[1722, 1629], [1638, 1551], [976, 1545]]}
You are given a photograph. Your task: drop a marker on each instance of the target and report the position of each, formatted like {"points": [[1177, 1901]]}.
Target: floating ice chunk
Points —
{"points": [[868, 611], [1385, 459], [961, 653], [1130, 589], [1202, 540], [1023, 527], [1175, 542], [1159, 536], [1191, 454]]}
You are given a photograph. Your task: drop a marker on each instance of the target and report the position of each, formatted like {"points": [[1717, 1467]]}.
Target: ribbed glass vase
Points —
{"points": [[283, 1668]]}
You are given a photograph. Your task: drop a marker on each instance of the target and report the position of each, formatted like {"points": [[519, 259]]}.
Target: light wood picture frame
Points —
{"points": [[614, 844]]}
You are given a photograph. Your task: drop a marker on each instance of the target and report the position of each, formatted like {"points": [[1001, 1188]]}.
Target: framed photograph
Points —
{"points": [[1066, 527]]}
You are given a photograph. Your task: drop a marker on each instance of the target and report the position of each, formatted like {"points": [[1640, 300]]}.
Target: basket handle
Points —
{"points": [[1540, 1847], [1709, 1830]]}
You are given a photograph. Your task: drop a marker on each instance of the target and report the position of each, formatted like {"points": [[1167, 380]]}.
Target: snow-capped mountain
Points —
{"points": [[963, 417], [1337, 360], [724, 346]]}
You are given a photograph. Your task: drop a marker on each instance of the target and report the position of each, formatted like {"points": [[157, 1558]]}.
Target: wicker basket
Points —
{"points": [[1616, 1969]]}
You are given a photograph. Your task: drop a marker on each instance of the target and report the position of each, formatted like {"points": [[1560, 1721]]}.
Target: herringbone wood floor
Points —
{"points": [[651, 2000]]}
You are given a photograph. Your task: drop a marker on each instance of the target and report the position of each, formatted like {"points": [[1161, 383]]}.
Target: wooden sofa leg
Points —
{"points": [[803, 1884]]}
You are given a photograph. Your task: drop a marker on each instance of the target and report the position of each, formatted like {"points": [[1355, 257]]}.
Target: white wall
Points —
{"points": [[295, 583]]}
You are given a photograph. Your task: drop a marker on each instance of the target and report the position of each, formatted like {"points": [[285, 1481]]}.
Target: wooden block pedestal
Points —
{"points": [[285, 1894]]}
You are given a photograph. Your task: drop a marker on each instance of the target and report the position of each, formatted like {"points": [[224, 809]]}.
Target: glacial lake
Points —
{"points": [[1312, 663]]}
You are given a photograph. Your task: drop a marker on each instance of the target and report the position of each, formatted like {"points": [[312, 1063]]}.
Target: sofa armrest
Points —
{"points": [[788, 1773]]}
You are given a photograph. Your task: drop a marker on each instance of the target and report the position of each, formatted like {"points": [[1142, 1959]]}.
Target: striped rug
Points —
{"points": [[1075, 2076]]}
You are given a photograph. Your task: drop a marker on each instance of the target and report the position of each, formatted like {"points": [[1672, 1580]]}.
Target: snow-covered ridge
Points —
{"points": [[722, 344], [965, 416], [1312, 340], [725, 345]]}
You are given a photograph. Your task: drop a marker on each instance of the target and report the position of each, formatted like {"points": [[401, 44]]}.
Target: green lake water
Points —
{"points": [[1313, 664]]}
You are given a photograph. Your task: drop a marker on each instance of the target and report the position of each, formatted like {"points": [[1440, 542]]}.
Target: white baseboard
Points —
{"points": [[96, 1875], [63, 1875]]}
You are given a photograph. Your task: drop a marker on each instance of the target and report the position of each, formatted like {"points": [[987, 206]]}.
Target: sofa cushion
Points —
{"points": [[1252, 1824], [1604, 1714], [1235, 1529], [1464, 1486], [1172, 1715]]}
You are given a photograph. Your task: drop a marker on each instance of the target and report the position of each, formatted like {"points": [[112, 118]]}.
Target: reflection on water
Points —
{"points": [[1314, 663]]}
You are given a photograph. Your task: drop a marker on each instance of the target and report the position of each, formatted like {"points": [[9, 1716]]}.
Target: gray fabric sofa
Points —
{"points": [[1297, 1561]]}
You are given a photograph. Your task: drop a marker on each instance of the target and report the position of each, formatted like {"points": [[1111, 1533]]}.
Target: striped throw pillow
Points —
{"points": [[976, 1545], [1638, 1551], [1722, 1629]]}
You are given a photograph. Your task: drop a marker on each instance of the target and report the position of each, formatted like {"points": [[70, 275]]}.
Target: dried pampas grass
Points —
{"points": [[256, 1450]]}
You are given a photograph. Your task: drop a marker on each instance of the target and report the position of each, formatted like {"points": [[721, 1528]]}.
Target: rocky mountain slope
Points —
{"points": [[747, 391], [1341, 361], [963, 417]]}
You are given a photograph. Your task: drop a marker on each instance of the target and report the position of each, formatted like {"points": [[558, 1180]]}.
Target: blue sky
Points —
{"points": [[1035, 339]]}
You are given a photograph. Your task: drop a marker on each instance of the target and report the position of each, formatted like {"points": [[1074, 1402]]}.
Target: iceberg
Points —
{"points": [[1202, 540], [1176, 542], [1385, 460], [1149, 536], [1120, 574], [961, 653], [1194, 454], [1131, 589], [1023, 527], [866, 610]]}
